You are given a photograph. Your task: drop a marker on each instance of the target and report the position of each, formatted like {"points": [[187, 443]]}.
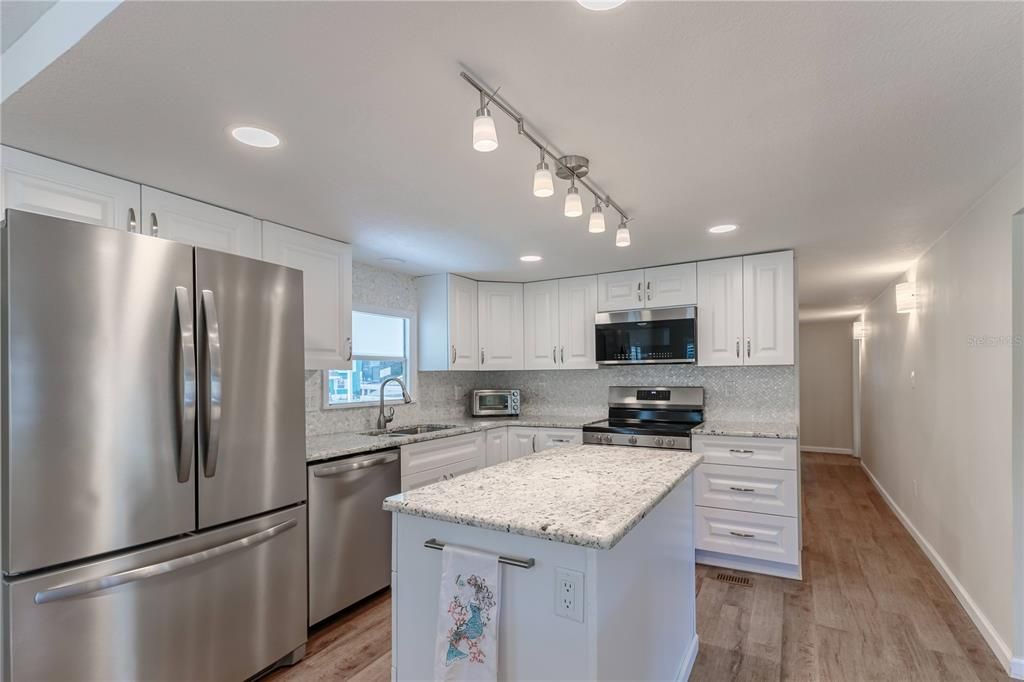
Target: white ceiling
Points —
{"points": [[854, 132]]}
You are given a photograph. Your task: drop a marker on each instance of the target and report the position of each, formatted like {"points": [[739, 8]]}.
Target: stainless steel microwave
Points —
{"points": [[646, 337], [500, 402]]}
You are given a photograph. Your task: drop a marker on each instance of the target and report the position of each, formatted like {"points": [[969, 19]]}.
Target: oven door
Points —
{"points": [[661, 336]]}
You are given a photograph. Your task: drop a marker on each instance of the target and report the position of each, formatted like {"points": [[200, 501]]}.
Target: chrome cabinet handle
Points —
{"points": [[533, 443], [187, 387], [741, 452], [133, 224], [214, 368], [639, 292], [107, 582], [481, 356], [742, 535], [348, 346], [737, 346], [453, 353], [154, 227], [742, 490], [346, 467], [563, 355], [554, 354], [561, 440], [748, 346], [648, 291]]}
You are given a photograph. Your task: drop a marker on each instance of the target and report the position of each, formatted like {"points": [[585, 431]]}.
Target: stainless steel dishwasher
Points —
{"points": [[349, 532]]}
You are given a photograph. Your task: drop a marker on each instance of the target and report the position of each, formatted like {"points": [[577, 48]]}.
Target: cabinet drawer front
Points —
{"points": [[754, 489], [442, 451], [556, 438], [757, 536], [771, 453], [439, 474]]}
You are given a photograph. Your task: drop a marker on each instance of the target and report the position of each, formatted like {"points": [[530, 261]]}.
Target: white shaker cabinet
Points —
{"points": [[671, 285], [326, 291], [497, 446], [500, 322], [181, 219], [541, 320], [720, 312], [40, 185], [620, 290], [768, 309], [525, 440], [447, 323], [577, 306]]}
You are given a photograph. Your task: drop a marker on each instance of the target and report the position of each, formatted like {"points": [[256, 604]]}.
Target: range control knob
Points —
{"points": [[659, 441], [608, 439], [632, 440], [670, 442]]}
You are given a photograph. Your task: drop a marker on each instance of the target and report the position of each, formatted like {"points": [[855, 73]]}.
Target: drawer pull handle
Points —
{"points": [[741, 490], [741, 535], [741, 452]]}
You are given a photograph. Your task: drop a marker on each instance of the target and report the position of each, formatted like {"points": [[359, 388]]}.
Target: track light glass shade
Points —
{"points": [[600, 5], [573, 203], [485, 136], [622, 235], [596, 225], [543, 182]]}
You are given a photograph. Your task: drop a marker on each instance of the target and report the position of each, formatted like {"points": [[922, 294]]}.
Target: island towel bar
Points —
{"points": [[433, 543]]}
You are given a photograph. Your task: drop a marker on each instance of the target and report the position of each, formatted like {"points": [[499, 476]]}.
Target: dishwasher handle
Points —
{"points": [[347, 466]]}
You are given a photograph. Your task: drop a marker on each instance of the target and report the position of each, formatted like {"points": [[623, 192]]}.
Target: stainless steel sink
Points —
{"points": [[413, 430]]}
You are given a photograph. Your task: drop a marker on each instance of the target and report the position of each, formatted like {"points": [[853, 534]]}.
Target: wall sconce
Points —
{"points": [[906, 297], [859, 330]]}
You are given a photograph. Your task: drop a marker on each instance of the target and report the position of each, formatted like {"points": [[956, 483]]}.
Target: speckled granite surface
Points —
{"points": [[586, 495], [341, 444], [747, 429]]}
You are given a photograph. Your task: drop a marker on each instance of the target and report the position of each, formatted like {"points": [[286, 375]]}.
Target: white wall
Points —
{"points": [[826, 386], [940, 444]]}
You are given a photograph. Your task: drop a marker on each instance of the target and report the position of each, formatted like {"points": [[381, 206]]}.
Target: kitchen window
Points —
{"points": [[381, 348]]}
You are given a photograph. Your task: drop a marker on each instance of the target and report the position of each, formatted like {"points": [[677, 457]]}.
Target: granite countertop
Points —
{"points": [[747, 429], [333, 445], [586, 495]]}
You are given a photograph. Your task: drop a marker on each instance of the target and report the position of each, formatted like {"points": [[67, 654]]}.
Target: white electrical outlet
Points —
{"points": [[569, 594]]}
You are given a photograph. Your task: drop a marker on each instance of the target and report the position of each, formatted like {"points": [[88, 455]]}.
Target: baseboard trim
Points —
{"points": [[995, 643], [686, 666], [828, 451]]}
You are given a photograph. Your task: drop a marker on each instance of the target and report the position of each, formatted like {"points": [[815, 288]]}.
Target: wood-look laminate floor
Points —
{"points": [[870, 607]]}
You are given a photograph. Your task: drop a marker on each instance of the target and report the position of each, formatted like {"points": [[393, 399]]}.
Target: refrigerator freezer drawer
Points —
{"points": [[221, 605]]}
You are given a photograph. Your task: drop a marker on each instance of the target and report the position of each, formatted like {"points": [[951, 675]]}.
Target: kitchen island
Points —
{"points": [[619, 520]]}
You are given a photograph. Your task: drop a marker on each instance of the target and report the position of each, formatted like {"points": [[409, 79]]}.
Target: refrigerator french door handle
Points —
{"points": [[187, 387], [107, 582], [213, 396]]}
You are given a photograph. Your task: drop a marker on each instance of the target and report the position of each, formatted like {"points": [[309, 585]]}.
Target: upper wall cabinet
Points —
{"points": [[40, 185], [192, 222], [746, 310], [448, 323], [326, 291], [671, 285], [559, 323], [500, 325]]}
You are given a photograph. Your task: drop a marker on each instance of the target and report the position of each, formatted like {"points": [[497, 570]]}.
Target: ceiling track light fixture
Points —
{"points": [[571, 167]]}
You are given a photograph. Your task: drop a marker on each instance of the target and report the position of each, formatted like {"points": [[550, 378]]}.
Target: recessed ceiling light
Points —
{"points": [[255, 137], [600, 5], [391, 260], [721, 229], [530, 259]]}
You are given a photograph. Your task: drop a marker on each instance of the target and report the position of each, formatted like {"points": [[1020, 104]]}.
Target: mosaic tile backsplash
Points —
{"points": [[752, 394]]}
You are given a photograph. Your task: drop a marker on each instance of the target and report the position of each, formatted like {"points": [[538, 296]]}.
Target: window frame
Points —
{"points": [[410, 359]]}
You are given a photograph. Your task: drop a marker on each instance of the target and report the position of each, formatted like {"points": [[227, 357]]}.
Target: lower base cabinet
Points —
{"points": [[442, 459], [525, 440]]}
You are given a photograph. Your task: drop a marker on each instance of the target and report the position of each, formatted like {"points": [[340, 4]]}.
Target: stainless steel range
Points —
{"points": [[649, 417]]}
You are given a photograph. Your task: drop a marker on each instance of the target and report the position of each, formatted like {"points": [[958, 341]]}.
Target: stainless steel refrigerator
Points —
{"points": [[153, 497]]}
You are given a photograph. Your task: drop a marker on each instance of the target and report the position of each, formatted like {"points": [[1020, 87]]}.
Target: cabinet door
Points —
{"points": [[326, 291], [40, 185], [768, 309], [720, 312], [500, 323], [540, 330], [497, 446], [577, 305], [192, 222], [445, 473], [554, 438], [620, 291], [462, 323], [521, 441], [672, 285]]}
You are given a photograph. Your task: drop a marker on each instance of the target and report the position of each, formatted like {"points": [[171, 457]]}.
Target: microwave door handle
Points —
{"points": [[213, 396], [187, 387]]}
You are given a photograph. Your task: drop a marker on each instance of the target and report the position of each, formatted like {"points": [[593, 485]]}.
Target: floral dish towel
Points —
{"points": [[467, 618]]}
